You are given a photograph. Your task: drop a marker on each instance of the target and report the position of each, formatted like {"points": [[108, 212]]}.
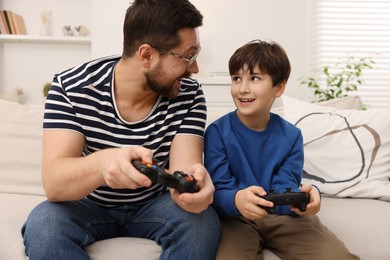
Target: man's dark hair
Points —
{"points": [[157, 23], [271, 59]]}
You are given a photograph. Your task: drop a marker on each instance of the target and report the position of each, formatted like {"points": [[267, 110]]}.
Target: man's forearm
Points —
{"points": [[72, 178]]}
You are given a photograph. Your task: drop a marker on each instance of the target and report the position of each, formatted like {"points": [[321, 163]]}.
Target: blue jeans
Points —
{"points": [[62, 230]]}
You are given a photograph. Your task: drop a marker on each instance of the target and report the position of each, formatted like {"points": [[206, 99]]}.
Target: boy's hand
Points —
{"points": [[314, 205], [248, 202]]}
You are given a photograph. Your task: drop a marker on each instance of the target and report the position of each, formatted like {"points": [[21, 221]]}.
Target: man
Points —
{"points": [[102, 115]]}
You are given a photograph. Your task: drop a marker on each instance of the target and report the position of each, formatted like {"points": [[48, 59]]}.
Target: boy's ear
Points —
{"points": [[280, 89]]}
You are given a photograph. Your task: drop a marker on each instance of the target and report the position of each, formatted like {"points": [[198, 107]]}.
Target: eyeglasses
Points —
{"points": [[190, 60]]}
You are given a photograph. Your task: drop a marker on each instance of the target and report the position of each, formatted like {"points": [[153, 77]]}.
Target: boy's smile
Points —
{"points": [[246, 100]]}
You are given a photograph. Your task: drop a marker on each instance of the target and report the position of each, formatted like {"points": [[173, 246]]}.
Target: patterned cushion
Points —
{"points": [[347, 152]]}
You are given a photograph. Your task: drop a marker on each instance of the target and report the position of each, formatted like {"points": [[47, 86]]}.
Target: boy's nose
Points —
{"points": [[244, 87]]}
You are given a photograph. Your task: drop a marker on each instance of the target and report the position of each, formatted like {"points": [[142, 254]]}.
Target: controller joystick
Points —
{"points": [[297, 199], [149, 169], [179, 180]]}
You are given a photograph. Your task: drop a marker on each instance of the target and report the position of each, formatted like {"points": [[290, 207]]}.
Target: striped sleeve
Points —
{"points": [[195, 121], [59, 113]]}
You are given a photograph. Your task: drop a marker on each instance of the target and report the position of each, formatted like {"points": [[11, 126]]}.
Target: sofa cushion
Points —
{"points": [[347, 152], [123, 248], [15, 209], [20, 148], [360, 223]]}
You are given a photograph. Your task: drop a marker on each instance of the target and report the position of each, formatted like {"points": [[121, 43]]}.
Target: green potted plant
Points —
{"points": [[345, 77], [46, 88]]}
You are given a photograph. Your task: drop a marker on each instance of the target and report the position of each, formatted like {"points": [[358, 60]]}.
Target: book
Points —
{"points": [[3, 23], [18, 22], [8, 18], [11, 23]]}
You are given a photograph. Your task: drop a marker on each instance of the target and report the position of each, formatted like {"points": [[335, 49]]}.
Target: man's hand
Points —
{"points": [[248, 202], [118, 171], [198, 201], [314, 205]]}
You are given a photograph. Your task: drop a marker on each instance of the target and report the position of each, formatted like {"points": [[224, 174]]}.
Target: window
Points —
{"points": [[360, 28]]}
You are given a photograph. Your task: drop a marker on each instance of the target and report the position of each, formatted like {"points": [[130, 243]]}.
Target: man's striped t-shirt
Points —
{"points": [[81, 100]]}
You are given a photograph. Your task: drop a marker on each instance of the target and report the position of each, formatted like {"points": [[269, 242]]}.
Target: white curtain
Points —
{"points": [[360, 28]]}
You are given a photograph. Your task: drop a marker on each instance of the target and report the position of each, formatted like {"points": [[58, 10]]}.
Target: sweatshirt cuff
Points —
{"points": [[226, 203]]}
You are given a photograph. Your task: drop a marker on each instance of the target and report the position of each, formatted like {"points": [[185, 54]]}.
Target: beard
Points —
{"points": [[166, 89]]}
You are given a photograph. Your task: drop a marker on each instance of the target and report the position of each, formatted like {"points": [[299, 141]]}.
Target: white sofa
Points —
{"points": [[363, 224]]}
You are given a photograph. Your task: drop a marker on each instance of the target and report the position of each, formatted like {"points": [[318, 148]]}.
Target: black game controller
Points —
{"points": [[179, 180], [297, 199]]}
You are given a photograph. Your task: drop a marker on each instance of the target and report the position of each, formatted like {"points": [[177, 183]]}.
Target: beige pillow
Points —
{"points": [[20, 148], [348, 102]]}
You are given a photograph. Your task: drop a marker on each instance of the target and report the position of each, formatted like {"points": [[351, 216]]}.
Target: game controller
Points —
{"points": [[297, 199], [179, 180]]}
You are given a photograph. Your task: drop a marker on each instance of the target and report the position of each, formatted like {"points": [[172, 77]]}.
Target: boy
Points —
{"points": [[250, 151]]}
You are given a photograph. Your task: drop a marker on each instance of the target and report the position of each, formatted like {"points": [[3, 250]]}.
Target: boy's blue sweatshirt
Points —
{"points": [[238, 157]]}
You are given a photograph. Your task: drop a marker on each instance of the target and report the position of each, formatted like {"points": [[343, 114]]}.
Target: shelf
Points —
{"points": [[45, 39]]}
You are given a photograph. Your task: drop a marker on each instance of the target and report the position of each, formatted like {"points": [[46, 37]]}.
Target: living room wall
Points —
{"points": [[227, 25]]}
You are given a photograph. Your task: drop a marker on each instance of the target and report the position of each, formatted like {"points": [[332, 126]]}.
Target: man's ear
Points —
{"points": [[280, 89], [146, 54]]}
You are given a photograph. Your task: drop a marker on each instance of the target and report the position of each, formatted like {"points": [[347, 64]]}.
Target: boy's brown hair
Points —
{"points": [[270, 57]]}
